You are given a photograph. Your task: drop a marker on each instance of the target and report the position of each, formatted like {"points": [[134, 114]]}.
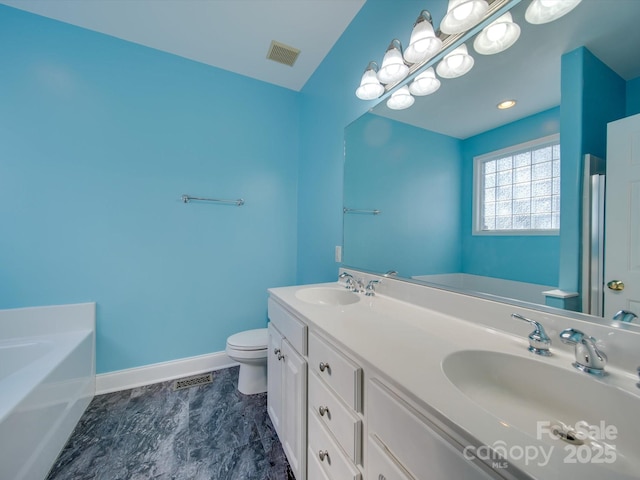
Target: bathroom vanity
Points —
{"points": [[415, 382]]}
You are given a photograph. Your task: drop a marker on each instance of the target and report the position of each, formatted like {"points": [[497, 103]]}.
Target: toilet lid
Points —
{"points": [[249, 340]]}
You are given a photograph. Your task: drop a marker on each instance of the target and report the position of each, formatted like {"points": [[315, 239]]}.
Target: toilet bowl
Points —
{"points": [[249, 349]]}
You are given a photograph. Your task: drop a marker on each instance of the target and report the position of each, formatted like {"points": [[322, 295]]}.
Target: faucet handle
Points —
{"points": [[539, 341], [571, 336], [358, 285], [589, 358], [348, 281], [370, 289], [625, 316]]}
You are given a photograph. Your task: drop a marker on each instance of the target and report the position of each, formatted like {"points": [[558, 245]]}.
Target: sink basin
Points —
{"points": [[537, 398], [327, 296]]}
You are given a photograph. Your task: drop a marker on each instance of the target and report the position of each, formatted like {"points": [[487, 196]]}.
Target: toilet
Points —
{"points": [[249, 349]]}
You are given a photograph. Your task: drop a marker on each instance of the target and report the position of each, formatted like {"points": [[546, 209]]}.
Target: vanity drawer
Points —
{"points": [[340, 373], [337, 418], [381, 465], [291, 328], [416, 445], [314, 469], [335, 464]]}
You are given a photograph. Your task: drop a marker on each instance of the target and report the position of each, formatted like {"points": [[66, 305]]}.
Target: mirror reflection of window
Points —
{"points": [[518, 189]]}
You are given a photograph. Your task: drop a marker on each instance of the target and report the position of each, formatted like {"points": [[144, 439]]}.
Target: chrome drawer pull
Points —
{"points": [[323, 454], [324, 366], [323, 410], [276, 351], [280, 356]]}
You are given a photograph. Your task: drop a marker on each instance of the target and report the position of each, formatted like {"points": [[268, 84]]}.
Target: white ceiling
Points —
{"points": [[230, 34], [529, 71]]}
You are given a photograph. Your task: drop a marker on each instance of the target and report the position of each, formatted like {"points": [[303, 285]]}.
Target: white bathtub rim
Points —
{"points": [[161, 372], [21, 382], [47, 319]]}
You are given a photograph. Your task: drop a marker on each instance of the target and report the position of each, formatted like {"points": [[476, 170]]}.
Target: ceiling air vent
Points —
{"points": [[281, 53]]}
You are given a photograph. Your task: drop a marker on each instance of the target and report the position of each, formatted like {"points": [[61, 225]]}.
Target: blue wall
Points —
{"points": [[502, 256], [98, 140], [100, 137], [633, 97], [329, 104], [413, 177], [592, 96]]}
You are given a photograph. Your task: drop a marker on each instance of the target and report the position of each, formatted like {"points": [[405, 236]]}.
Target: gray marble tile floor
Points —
{"points": [[207, 432]]}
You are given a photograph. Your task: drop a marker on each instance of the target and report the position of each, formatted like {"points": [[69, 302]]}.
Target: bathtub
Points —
{"points": [[47, 379], [525, 292]]}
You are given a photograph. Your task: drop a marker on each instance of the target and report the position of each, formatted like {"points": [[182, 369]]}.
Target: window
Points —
{"points": [[517, 190]]}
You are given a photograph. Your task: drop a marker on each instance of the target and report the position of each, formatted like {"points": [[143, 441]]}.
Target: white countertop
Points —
{"points": [[408, 344]]}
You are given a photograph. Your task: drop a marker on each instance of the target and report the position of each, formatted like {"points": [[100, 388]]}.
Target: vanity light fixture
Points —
{"points": [[506, 104], [462, 15], [393, 68], [370, 87], [545, 11], [425, 84], [423, 43], [400, 99], [456, 63], [497, 36]]}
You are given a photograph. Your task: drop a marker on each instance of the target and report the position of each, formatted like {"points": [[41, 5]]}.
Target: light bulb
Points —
{"points": [[497, 36], [400, 99], [370, 88], [463, 11], [393, 68], [425, 84], [545, 11], [462, 15], [506, 104], [456, 63], [496, 31], [423, 43]]}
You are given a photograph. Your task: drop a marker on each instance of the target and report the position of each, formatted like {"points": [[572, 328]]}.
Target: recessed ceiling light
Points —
{"points": [[506, 104]]}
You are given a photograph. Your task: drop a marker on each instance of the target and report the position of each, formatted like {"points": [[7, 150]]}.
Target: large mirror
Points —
{"points": [[409, 174]]}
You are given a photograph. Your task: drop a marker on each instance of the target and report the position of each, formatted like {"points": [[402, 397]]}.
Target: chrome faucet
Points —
{"points": [[539, 341], [352, 283], [588, 358], [370, 289], [625, 316], [358, 285], [349, 281]]}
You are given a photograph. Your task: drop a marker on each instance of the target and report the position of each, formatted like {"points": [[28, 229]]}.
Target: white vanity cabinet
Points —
{"points": [[334, 425], [287, 385]]}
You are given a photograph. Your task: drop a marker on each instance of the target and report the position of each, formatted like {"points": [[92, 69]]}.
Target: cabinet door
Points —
{"points": [[294, 409], [416, 445], [274, 379]]}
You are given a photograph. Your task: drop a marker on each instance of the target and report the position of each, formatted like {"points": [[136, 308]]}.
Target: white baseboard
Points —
{"points": [[161, 372]]}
